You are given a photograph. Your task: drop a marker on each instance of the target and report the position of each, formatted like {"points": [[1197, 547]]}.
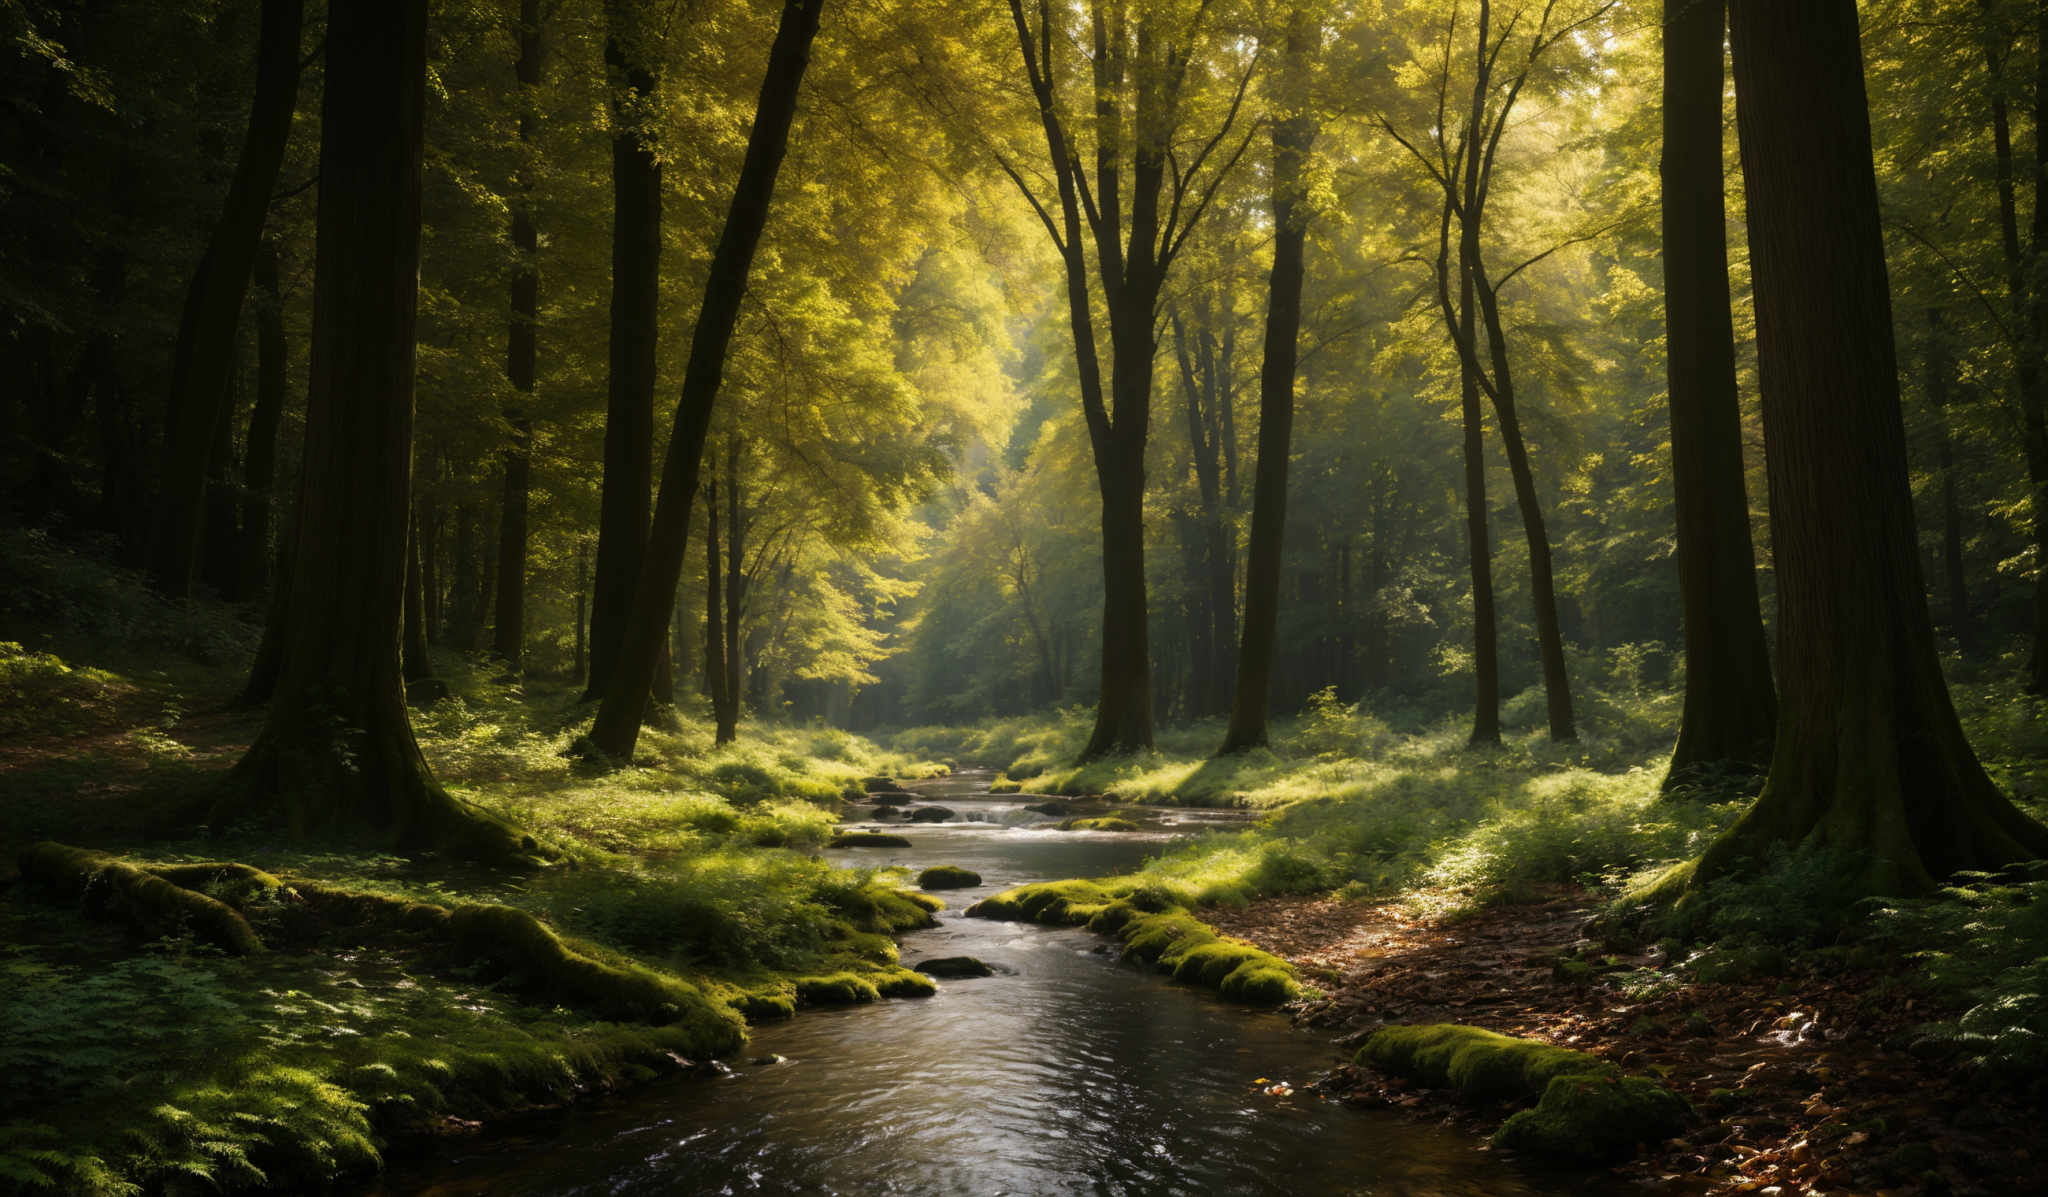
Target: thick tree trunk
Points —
{"points": [[624, 516], [617, 727], [1730, 706], [508, 627], [213, 303], [1292, 137], [1870, 758], [260, 473], [336, 754], [1123, 713]]}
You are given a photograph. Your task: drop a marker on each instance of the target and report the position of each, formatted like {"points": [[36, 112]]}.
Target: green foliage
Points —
{"points": [[1983, 945]]}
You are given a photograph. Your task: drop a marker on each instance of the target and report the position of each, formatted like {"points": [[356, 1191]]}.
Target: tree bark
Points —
{"points": [[1870, 759], [1293, 134], [336, 754], [624, 515], [1730, 705], [1478, 544], [617, 726], [260, 473], [213, 302], [508, 626]]}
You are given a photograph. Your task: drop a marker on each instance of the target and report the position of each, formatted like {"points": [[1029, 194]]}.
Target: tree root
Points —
{"points": [[145, 899]]}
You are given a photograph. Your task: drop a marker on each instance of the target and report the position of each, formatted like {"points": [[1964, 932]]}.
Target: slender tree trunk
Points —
{"points": [[432, 608], [1292, 136], [1730, 705], [1478, 545], [716, 678], [617, 727], [508, 628], [1940, 368], [1870, 758], [219, 549], [336, 753], [213, 303], [416, 666], [735, 595], [260, 474], [624, 515]]}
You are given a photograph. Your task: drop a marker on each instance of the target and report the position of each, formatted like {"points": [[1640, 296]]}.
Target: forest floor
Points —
{"points": [[1801, 1079]]}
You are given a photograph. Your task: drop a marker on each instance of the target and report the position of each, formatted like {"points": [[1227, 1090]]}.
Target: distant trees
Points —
{"points": [[1870, 760], [1730, 707], [508, 625]]}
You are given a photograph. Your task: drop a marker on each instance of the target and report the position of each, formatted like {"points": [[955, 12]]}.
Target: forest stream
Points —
{"points": [[1067, 1072]]}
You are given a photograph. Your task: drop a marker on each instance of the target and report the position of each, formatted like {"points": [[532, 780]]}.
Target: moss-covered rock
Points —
{"points": [[948, 877], [1479, 1063], [1208, 964], [886, 909], [835, 989], [904, 983], [1099, 823], [1595, 1119], [930, 814], [892, 798], [876, 785], [867, 839], [765, 1006], [1060, 903], [954, 966]]}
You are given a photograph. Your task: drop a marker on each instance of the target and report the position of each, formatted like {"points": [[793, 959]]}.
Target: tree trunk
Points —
{"points": [[617, 727], [1479, 546], [623, 516], [219, 558], [715, 675], [336, 754], [508, 627], [422, 688], [1870, 758], [1730, 706], [260, 474], [213, 302], [1123, 713], [735, 596], [1292, 136], [1940, 368]]}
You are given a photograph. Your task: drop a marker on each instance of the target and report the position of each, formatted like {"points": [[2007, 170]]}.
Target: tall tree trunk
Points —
{"points": [[213, 302], [415, 665], [260, 474], [617, 726], [715, 675], [1730, 706], [1292, 136], [1123, 713], [735, 595], [1478, 544], [336, 753], [219, 551], [508, 627], [1870, 759], [623, 516]]}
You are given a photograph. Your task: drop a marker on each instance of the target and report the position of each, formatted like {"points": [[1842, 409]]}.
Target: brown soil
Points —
{"points": [[1804, 1082]]}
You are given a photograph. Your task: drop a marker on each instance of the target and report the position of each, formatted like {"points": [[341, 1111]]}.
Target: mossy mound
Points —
{"points": [[948, 877], [867, 839], [875, 785], [931, 814], [904, 983], [886, 909], [1099, 823], [836, 989], [767, 1006], [535, 957], [1156, 929], [1481, 1064], [1004, 785], [1595, 1119]]}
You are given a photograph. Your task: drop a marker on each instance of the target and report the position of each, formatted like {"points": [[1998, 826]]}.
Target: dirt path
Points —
{"points": [[1803, 1081]]}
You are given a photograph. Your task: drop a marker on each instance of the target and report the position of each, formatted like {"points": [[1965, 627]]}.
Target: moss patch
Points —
{"points": [[867, 839], [1478, 1063], [1099, 823], [149, 903], [948, 877], [1595, 1119]]}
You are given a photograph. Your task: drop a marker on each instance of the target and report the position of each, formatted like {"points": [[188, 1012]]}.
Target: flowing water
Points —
{"points": [[1068, 1072]]}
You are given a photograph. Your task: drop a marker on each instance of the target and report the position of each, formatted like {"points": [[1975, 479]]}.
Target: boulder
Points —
{"points": [[930, 814], [954, 966], [892, 798], [875, 785], [948, 877], [866, 839]]}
